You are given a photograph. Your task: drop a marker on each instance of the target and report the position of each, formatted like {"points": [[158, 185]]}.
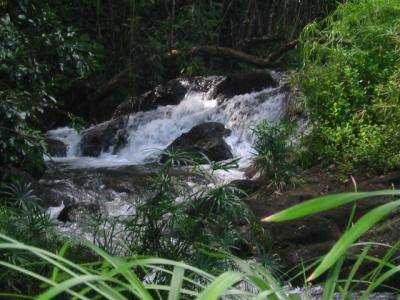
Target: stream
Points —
{"points": [[116, 179]]}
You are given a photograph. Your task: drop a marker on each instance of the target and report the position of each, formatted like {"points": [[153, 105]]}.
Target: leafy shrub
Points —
{"points": [[274, 154], [350, 85]]}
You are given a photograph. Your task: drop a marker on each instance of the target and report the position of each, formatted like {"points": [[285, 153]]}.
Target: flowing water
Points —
{"points": [[152, 131], [115, 180]]}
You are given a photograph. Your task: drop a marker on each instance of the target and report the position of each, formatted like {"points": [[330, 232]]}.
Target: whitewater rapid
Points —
{"points": [[152, 131]]}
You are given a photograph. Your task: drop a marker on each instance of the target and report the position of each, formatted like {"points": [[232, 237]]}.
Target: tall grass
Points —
{"points": [[124, 278], [332, 261], [144, 277]]}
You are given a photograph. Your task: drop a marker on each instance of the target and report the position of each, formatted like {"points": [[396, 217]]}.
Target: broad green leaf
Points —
{"points": [[61, 253], [14, 296], [350, 236], [324, 203]]}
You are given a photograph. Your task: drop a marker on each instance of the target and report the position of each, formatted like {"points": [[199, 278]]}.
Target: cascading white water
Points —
{"points": [[115, 189], [152, 131]]}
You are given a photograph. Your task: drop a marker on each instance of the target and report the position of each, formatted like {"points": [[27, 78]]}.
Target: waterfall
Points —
{"points": [[119, 178], [152, 131]]}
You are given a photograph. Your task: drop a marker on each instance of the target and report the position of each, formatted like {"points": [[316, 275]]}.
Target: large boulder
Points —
{"points": [[170, 93], [242, 83], [304, 239], [79, 212], [104, 136], [56, 148], [206, 138], [47, 196]]}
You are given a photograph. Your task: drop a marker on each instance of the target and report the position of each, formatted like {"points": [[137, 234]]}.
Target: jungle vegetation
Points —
{"points": [[68, 62]]}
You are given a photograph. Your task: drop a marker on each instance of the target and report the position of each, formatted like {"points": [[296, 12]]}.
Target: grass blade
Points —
{"points": [[67, 284], [349, 237], [220, 285], [324, 203], [176, 283], [354, 269], [331, 281], [136, 285]]}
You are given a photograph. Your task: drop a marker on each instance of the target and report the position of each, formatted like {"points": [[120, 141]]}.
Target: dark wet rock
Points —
{"points": [[246, 185], [293, 255], [79, 212], [170, 93], [206, 138], [387, 180], [69, 186], [47, 196], [242, 83], [306, 238], [56, 147], [314, 229], [100, 138]]}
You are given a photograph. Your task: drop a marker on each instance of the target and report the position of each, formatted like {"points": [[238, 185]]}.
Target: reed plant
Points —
{"points": [[145, 277]]}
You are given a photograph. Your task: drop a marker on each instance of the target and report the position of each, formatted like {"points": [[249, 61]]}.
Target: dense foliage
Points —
{"points": [[350, 84], [40, 57]]}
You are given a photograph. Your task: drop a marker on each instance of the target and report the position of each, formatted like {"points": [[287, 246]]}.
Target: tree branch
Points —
{"points": [[270, 61], [217, 51]]}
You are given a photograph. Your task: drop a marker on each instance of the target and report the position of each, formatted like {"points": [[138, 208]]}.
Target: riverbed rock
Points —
{"points": [[306, 238], [104, 136], [242, 83], [46, 195], [79, 212], [206, 138], [56, 148], [169, 93], [247, 185]]}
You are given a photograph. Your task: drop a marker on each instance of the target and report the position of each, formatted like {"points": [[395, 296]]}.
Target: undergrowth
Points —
{"points": [[184, 221], [143, 277]]}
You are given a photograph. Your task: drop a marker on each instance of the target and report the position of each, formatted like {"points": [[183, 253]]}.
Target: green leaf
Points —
{"points": [[331, 281], [324, 203], [66, 285], [220, 285], [354, 269], [176, 283], [349, 237]]}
